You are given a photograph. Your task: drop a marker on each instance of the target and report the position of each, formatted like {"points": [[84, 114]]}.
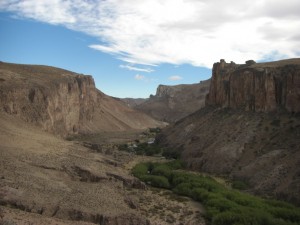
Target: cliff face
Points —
{"points": [[172, 103], [249, 129], [261, 87], [63, 102]]}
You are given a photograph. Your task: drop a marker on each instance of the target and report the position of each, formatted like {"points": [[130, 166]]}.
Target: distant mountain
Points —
{"points": [[249, 130], [172, 103], [133, 102], [64, 102]]}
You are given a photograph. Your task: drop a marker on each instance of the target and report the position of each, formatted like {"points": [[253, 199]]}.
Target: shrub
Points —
{"points": [[183, 189], [156, 181], [240, 185], [140, 170], [162, 169], [223, 205]]}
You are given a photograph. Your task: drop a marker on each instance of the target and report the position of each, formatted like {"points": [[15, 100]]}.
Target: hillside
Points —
{"points": [[171, 103], [63, 102], [249, 130], [47, 180]]}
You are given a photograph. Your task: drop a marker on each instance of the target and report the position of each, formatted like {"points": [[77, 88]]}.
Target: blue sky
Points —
{"points": [[130, 47]]}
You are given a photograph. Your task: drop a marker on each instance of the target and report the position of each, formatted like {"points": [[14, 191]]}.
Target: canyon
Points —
{"points": [[63, 102], [172, 103], [60, 161], [249, 130]]}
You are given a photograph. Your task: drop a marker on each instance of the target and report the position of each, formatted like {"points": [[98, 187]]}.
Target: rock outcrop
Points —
{"points": [[171, 103], [63, 102], [249, 129], [259, 87]]}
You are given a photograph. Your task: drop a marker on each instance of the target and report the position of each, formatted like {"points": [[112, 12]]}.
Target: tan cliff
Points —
{"points": [[249, 129], [172, 103], [259, 87], [63, 102]]}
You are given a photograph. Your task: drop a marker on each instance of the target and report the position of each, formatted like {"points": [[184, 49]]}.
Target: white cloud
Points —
{"points": [[174, 78], [139, 77], [128, 67], [198, 32]]}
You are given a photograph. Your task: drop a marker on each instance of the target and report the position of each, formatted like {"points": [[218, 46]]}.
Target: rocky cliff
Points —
{"points": [[63, 102], [259, 87], [249, 129], [171, 103]]}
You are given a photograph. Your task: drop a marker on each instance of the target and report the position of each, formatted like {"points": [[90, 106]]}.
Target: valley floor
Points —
{"points": [[47, 180]]}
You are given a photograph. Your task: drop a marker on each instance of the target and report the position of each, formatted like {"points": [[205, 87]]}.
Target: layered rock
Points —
{"points": [[171, 103], [63, 102], [249, 129], [259, 87]]}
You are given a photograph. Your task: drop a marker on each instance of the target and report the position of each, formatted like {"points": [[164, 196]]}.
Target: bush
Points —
{"points": [[223, 205], [162, 169], [140, 170], [239, 185], [156, 181], [183, 189]]}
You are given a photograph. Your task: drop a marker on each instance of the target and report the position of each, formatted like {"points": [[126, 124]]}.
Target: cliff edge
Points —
{"points": [[259, 87], [172, 103], [249, 130], [63, 102]]}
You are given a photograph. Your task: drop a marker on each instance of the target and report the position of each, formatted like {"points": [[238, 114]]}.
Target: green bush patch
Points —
{"points": [[223, 206]]}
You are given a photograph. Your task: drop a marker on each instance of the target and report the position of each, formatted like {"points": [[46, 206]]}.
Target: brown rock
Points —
{"points": [[260, 87], [63, 102], [172, 103]]}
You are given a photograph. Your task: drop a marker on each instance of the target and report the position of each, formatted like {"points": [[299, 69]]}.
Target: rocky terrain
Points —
{"points": [[48, 180], [45, 179], [133, 102], [63, 102], [249, 130], [171, 103]]}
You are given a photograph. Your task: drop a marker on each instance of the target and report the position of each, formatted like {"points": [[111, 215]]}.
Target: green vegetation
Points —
{"points": [[239, 185], [141, 148], [223, 206]]}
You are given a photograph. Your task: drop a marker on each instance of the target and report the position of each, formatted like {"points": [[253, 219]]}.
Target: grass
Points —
{"points": [[223, 206]]}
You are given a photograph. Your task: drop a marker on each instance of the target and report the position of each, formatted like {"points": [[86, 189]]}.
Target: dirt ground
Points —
{"points": [[47, 180]]}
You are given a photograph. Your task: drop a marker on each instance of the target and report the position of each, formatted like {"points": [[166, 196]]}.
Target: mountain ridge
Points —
{"points": [[64, 102], [171, 103]]}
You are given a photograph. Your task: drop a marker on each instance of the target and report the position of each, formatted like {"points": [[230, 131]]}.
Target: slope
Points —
{"points": [[172, 103], [250, 129], [63, 102]]}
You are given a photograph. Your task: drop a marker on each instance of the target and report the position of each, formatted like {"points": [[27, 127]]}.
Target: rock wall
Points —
{"points": [[60, 107], [259, 87], [172, 103], [63, 102]]}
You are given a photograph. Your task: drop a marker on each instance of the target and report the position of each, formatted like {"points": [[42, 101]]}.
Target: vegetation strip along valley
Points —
{"points": [[223, 206]]}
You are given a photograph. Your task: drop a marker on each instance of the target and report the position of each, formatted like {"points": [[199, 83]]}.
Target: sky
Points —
{"points": [[132, 46]]}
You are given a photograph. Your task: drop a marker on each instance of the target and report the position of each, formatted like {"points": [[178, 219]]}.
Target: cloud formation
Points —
{"points": [[174, 78], [197, 32], [129, 67]]}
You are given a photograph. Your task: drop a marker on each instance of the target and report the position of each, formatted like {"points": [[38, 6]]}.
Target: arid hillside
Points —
{"points": [[56, 181], [250, 129], [63, 102], [45, 179], [171, 103]]}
